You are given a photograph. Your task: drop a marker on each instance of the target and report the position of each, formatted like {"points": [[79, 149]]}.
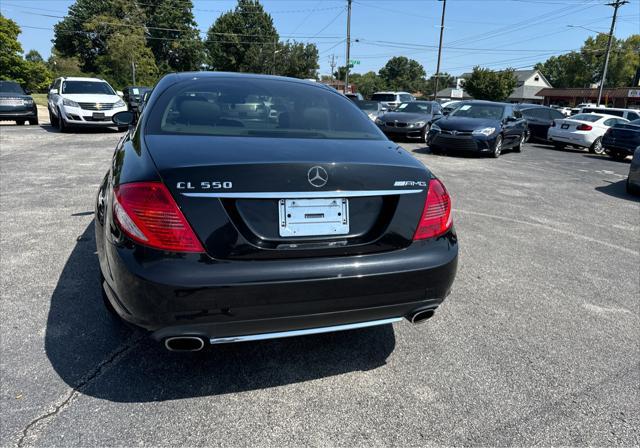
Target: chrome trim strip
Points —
{"points": [[308, 331], [302, 194]]}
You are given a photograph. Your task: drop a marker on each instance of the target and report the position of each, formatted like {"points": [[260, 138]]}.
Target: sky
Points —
{"points": [[490, 33]]}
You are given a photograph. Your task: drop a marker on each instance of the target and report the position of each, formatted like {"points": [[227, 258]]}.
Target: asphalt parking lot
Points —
{"points": [[539, 343]]}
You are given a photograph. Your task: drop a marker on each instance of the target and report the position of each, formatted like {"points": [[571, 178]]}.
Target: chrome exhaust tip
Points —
{"points": [[421, 316], [184, 344]]}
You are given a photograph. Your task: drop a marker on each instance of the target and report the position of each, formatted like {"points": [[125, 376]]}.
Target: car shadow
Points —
{"points": [[47, 127], [618, 190], [95, 353], [606, 158]]}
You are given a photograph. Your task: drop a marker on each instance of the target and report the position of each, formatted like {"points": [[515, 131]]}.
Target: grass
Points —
{"points": [[40, 99]]}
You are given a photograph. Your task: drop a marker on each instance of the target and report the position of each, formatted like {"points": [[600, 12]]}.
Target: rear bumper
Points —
{"points": [[572, 138], [196, 295]]}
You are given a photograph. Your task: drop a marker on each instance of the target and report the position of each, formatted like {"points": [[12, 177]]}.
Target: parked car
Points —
{"points": [[132, 96], [629, 114], [215, 228], [373, 109], [582, 131], [410, 120], [391, 100], [633, 180], [539, 119], [449, 106], [16, 104], [579, 107], [622, 139], [484, 127], [88, 102], [354, 96]]}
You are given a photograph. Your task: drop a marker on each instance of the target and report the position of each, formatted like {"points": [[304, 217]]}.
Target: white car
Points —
{"points": [[83, 102], [391, 100], [582, 130]]}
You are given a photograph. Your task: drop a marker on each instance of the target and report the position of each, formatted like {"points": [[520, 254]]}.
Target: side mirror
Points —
{"points": [[510, 119], [384, 109], [123, 118], [53, 92], [120, 93]]}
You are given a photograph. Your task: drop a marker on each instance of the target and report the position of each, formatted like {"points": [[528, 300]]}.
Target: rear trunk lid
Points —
{"points": [[239, 194]]}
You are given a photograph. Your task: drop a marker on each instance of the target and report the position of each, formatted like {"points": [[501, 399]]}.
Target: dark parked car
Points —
{"points": [[484, 127], [539, 119], [410, 120], [212, 227], [16, 104], [622, 139], [373, 109], [633, 181], [132, 95]]}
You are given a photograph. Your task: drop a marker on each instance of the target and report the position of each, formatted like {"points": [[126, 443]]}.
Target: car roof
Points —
{"points": [[594, 113], [80, 78], [392, 92], [619, 109], [487, 102]]}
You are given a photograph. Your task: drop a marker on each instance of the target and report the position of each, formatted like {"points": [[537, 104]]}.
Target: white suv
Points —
{"points": [[83, 102], [391, 100]]}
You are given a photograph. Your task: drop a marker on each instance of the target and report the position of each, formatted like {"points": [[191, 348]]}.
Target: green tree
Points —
{"points": [[243, 40], [173, 35], [11, 61], [402, 73], [297, 60], [445, 80], [584, 68], [368, 83], [485, 84], [33, 56], [62, 66]]}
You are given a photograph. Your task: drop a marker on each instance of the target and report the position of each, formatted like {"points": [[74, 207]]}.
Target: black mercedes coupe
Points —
{"points": [[221, 220]]}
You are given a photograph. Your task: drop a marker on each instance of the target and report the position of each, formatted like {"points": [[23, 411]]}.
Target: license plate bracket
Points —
{"points": [[313, 217]]}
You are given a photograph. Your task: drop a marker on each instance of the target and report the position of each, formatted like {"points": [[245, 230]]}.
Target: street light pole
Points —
{"points": [[346, 73], [616, 5], [435, 89]]}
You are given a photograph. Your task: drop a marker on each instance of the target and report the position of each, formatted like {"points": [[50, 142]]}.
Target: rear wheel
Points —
{"points": [[596, 146], [497, 147], [519, 147], [619, 156], [20, 122], [425, 133], [33, 121]]}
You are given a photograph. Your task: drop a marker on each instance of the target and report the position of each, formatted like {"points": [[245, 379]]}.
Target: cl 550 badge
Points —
{"points": [[206, 185]]}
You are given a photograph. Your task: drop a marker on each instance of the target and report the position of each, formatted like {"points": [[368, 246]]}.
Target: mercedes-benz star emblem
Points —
{"points": [[317, 176], [454, 132]]}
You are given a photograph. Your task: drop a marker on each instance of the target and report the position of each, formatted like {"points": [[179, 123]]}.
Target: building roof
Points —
{"points": [[526, 93], [620, 92], [521, 75]]}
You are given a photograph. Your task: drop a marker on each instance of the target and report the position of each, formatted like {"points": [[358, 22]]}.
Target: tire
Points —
{"points": [[62, 125], [34, 121], [20, 122], [425, 133], [122, 128], [53, 119], [497, 147], [632, 189], [619, 156], [523, 140], [596, 147]]}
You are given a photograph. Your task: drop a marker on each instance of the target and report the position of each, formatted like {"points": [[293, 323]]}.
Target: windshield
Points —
{"points": [[586, 117], [369, 106], [383, 97], [11, 87], [250, 107], [87, 87], [415, 106], [491, 111]]}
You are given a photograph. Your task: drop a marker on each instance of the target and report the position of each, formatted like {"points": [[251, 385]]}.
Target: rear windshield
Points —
{"points": [[492, 111], [11, 87], [87, 87], [586, 117], [383, 97], [415, 106], [253, 107], [371, 106]]}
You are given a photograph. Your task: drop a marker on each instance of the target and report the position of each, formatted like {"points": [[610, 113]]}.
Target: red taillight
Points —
{"points": [[436, 217], [147, 213], [583, 127]]}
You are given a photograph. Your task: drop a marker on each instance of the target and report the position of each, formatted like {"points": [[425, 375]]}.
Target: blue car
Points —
{"points": [[622, 139]]}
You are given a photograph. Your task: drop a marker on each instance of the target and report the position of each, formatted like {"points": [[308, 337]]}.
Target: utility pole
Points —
{"points": [[332, 63], [616, 4], [346, 73], [435, 88]]}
